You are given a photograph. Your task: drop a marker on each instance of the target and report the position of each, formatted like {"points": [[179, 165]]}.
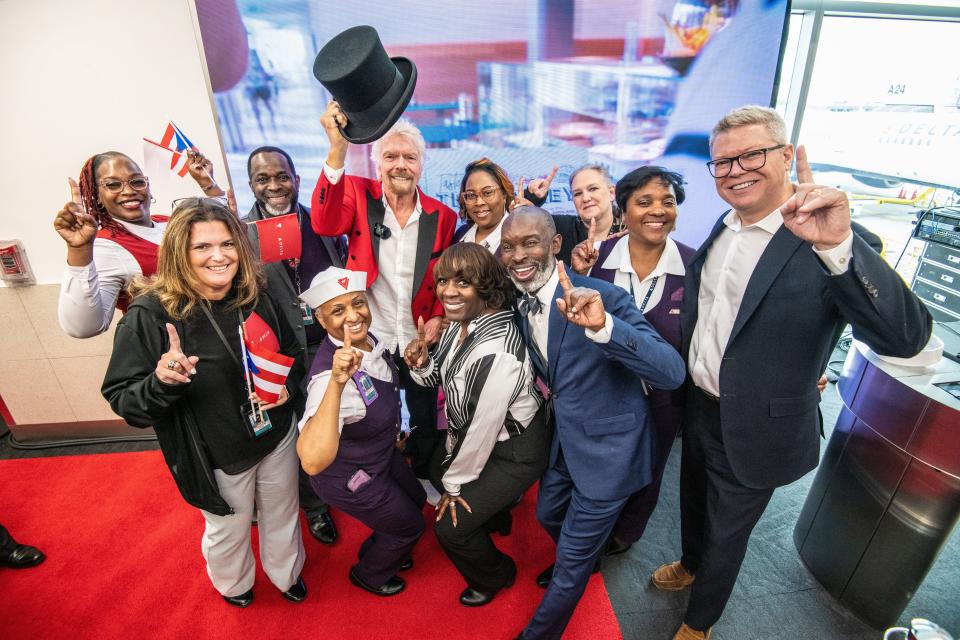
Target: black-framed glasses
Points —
{"points": [[486, 193], [113, 185], [748, 161]]}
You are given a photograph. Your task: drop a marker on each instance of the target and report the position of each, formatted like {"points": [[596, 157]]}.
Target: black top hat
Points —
{"points": [[371, 88]]}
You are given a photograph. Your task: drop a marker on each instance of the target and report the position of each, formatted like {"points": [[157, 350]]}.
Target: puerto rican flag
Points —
{"points": [[268, 367], [177, 143]]}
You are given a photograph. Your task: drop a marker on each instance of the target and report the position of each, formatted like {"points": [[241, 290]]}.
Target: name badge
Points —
{"points": [[306, 314], [258, 421], [365, 384]]}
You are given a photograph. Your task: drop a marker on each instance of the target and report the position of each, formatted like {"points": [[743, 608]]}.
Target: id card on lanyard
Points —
{"points": [[365, 385]]}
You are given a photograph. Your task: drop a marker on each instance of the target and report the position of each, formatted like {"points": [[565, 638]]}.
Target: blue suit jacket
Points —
{"points": [[601, 413]]}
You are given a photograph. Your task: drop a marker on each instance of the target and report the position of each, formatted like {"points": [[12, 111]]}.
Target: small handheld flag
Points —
{"points": [[279, 238], [268, 368], [177, 143]]}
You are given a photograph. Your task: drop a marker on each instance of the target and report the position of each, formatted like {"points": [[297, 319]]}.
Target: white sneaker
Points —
{"points": [[432, 496]]}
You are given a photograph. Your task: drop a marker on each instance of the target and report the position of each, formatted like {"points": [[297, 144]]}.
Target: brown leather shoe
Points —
{"points": [[686, 633], [672, 577]]}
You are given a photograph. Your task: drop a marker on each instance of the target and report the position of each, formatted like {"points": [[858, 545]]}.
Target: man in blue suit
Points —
{"points": [[767, 296], [596, 353]]}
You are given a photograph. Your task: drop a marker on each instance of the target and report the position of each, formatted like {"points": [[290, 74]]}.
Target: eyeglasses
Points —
{"points": [[116, 186], [197, 201], [748, 161], [282, 179], [487, 194]]}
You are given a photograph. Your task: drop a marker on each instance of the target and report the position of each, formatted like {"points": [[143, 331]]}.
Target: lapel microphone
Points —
{"points": [[381, 231]]}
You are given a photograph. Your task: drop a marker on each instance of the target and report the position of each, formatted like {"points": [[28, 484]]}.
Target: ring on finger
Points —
{"points": [[171, 364]]}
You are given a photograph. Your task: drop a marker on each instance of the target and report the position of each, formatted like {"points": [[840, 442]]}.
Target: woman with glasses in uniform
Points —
{"points": [[485, 197], [111, 237]]}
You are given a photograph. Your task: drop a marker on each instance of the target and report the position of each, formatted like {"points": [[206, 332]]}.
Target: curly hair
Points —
{"points": [[496, 172], [174, 283], [640, 177], [90, 190], [477, 266]]}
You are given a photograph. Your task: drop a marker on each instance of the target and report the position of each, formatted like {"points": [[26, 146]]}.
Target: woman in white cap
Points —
{"points": [[349, 431]]}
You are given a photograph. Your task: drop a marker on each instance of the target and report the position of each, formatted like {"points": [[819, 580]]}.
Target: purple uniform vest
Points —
{"points": [[666, 406], [369, 443]]}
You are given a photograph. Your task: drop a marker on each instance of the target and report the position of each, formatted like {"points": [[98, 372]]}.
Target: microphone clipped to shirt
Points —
{"points": [[381, 231]]}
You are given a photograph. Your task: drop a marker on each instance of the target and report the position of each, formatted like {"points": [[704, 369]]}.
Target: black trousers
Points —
{"points": [[422, 405], [717, 512], [513, 466]]}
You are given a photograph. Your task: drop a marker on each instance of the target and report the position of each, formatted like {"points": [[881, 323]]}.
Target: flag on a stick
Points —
{"points": [[177, 143], [268, 368]]}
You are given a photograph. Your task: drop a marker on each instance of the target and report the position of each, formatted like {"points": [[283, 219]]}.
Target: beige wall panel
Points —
{"points": [[33, 393], [40, 303], [80, 379], [18, 341]]}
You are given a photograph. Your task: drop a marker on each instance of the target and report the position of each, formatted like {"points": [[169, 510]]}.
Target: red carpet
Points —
{"points": [[123, 561]]}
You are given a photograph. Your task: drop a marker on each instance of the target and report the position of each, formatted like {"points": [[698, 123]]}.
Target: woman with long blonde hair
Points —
{"points": [[178, 366]]}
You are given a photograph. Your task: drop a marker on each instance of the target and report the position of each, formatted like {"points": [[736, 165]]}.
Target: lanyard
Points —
{"points": [[646, 298], [223, 338]]}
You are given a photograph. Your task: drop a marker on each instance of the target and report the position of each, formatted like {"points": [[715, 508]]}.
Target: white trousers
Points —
{"points": [[272, 484]]}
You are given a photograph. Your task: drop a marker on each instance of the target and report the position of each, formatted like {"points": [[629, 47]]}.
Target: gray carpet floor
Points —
{"points": [[776, 598]]}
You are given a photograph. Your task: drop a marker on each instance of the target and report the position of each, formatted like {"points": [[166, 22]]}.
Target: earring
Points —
{"points": [[153, 200]]}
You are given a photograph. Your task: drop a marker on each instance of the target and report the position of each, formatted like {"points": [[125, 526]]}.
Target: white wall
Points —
{"points": [[85, 76]]}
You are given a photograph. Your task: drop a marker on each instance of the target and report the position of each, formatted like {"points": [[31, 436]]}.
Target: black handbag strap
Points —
{"points": [[216, 327]]}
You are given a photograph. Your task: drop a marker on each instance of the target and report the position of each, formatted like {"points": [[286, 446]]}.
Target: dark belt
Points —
{"points": [[706, 394]]}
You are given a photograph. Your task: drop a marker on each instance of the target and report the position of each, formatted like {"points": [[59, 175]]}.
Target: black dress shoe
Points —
{"points": [[616, 546], [473, 598], [242, 600], [296, 593], [391, 587], [543, 580], [22, 556], [407, 565], [323, 529]]}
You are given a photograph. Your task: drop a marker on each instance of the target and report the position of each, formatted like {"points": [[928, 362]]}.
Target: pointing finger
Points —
{"points": [[804, 173], [347, 343], [75, 194], [174, 337], [552, 175], [421, 330], [592, 235], [232, 202], [520, 187], [564, 279]]}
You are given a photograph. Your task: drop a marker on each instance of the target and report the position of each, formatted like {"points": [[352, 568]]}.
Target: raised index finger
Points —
{"points": [[75, 193], [592, 234], [552, 175], [565, 283], [520, 187], [421, 330], [347, 343], [804, 173], [174, 338]]}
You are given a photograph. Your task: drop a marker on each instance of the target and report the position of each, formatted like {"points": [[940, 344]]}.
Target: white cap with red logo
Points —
{"points": [[333, 282]]}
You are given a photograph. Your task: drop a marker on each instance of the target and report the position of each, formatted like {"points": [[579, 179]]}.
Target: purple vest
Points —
{"points": [[666, 406], [369, 443]]}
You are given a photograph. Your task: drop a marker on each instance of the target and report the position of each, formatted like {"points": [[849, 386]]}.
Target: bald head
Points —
{"points": [[528, 243]]}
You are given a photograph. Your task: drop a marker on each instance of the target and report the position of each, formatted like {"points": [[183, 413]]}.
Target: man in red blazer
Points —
{"points": [[395, 233]]}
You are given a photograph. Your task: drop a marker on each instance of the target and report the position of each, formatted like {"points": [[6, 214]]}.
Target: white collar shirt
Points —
{"points": [[730, 263], [670, 262], [391, 295], [491, 242], [540, 322]]}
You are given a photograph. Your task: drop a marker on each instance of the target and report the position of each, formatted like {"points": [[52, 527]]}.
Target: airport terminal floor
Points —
{"points": [[775, 597]]}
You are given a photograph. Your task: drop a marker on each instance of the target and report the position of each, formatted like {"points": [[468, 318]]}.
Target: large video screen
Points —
{"points": [[530, 84]]}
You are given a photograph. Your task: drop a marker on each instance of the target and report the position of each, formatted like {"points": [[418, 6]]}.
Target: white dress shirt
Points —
{"points": [[730, 263], [540, 322], [491, 242], [88, 294], [352, 408], [390, 297], [670, 262]]}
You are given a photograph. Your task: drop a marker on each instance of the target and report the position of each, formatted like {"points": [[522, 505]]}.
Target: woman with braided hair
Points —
{"points": [[111, 237]]}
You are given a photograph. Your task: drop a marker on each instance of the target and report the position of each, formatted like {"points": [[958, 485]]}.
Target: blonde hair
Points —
{"points": [[175, 284], [402, 127], [750, 115]]}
